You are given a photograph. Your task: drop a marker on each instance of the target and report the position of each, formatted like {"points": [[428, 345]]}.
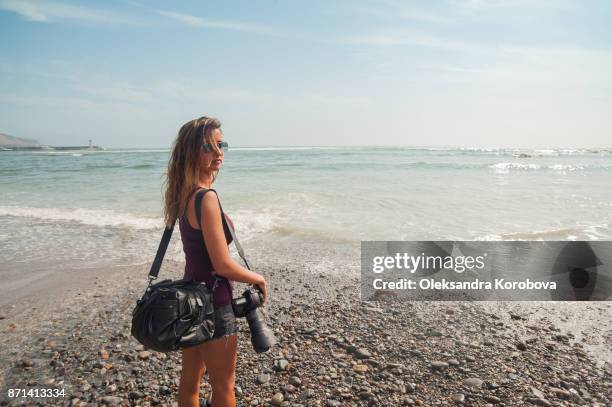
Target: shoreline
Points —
{"points": [[333, 349]]}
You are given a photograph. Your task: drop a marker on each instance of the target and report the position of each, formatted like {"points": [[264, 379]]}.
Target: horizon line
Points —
{"points": [[389, 146]]}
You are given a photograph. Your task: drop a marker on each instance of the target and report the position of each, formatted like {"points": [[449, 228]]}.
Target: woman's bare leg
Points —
{"points": [[192, 370], [219, 355]]}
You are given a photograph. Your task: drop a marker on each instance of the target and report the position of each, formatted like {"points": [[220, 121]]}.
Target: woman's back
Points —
{"points": [[198, 265]]}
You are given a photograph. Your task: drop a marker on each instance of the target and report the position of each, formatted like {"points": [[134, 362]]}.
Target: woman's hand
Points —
{"points": [[263, 287]]}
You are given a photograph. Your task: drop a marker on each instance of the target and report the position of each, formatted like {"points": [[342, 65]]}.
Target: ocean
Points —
{"points": [[86, 209]]}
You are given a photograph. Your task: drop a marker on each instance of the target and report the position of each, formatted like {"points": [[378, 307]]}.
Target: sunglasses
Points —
{"points": [[222, 145]]}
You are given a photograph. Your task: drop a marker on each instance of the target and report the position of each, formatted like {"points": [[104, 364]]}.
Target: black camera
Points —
{"points": [[247, 306]]}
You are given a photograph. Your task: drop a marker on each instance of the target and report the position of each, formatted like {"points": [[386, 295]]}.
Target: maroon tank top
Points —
{"points": [[198, 265]]}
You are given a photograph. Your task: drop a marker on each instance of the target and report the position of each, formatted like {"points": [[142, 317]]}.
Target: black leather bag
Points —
{"points": [[173, 314]]}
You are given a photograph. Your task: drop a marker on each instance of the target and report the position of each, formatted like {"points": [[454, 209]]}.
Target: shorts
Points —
{"points": [[225, 322]]}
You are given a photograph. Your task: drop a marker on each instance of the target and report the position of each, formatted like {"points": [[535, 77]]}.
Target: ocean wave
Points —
{"points": [[542, 152], [570, 151], [444, 165], [601, 231], [251, 223], [51, 152], [152, 150], [92, 217], [10, 172], [87, 152], [536, 151], [283, 223], [284, 148], [481, 149], [312, 233], [504, 167], [141, 166], [510, 166], [84, 167]]}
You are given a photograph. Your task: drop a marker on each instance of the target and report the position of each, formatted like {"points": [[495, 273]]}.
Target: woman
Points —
{"points": [[195, 162]]}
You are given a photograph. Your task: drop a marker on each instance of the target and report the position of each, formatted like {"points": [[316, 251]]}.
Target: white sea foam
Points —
{"points": [[547, 151], [250, 223], [477, 149], [93, 217], [561, 167], [506, 167], [509, 166], [586, 232]]}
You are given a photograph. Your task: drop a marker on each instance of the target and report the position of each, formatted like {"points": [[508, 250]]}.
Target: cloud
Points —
{"points": [[499, 4], [448, 11], [318, 98], [59, 102], [405, 37], [46, 11], [163, 92], [536, 72], [427, 12], [27, 10], [196, 21], [561, 65], [123, 93]]}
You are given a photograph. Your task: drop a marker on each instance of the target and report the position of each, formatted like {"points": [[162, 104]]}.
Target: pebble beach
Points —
{"points": [[333, 349]]}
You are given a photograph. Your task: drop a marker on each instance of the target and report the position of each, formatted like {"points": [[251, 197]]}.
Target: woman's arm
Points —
{"points": [[214, 238]]}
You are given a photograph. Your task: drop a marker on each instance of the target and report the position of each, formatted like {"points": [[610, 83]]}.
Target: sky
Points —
{"points": [[477, 73]]}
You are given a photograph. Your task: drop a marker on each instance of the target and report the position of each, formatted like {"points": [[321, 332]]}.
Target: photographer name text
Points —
{"points": [[443, 284]]}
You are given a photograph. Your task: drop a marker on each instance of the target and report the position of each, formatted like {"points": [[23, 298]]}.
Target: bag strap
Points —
{"points": [[165, 240], [161, 251]]}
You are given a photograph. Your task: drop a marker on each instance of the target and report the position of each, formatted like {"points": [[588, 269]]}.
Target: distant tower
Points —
{"points": [[90, 146]]}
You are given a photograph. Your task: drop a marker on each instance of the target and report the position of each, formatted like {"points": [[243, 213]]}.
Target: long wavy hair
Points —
{"points": [[184, 165]]}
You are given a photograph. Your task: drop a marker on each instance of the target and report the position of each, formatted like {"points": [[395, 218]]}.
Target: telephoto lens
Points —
{"points": [[262, 336]]}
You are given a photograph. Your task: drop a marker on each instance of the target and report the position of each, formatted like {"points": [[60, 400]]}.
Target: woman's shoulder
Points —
{"points": [[210, 200]]}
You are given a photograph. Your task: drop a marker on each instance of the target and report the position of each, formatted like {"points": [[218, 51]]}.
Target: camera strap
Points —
{"points": [[165, 240]]}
